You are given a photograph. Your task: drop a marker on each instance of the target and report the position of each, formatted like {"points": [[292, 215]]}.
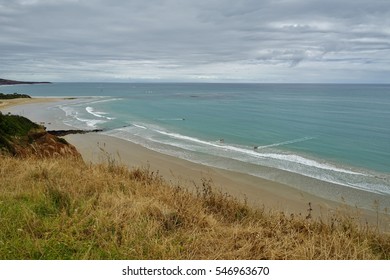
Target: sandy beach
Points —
{"points": [[258, 192], [6, 103], [39, 110]]}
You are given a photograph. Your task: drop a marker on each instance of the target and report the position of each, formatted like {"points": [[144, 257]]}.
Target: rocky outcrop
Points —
{"points": [[72, 131]]}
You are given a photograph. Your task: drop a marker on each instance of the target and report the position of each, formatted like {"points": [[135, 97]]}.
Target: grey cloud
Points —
{"points": [[246, 40]]}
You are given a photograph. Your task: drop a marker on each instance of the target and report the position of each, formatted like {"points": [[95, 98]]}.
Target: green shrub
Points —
{"points": [[13, 96], [12, 125]]}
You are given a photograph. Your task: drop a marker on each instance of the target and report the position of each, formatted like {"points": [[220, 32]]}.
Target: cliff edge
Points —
{"points": [[21, 137]]}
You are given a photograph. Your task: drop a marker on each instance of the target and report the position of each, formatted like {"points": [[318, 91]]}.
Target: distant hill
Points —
{"points": [[11, 82]]}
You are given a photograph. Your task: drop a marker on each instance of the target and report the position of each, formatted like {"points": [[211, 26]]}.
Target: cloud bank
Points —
{"points": [[203, 40]]}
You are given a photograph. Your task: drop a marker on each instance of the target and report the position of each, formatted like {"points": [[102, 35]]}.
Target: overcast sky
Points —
{"points": [[196, 40]]}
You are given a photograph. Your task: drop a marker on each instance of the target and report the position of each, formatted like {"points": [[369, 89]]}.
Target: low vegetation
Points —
{"points": [[13, 96], [13, 128], [21, 137], [62, 208], [12, 125]]}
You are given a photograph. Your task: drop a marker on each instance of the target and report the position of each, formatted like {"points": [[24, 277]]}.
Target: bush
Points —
{"points": [[13, 96], [11, 125]]}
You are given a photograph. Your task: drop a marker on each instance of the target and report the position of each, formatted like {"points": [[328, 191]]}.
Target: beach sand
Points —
{"points": [[6, 103], [258, 192], [40, 110]]}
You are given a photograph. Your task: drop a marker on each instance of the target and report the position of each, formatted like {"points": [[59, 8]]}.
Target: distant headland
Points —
{"points": [[11, 82]]}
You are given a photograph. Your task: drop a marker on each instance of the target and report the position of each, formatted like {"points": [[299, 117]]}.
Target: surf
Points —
{"points": [[92, 111], [246, 151], [303, 139]]}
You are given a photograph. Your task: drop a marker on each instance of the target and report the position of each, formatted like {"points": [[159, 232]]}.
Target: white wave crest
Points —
{"points": [[92, 111], [139, 126], [69, 111], [106, 100], [191, 148], [253, 153], [286, 142], [90, 122]]}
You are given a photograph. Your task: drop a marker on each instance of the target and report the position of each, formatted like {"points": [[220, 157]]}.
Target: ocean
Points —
{"points": [[334, 133]]}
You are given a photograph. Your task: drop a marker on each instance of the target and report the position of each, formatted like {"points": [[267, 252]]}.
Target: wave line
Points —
{"points": [[286, 142]]}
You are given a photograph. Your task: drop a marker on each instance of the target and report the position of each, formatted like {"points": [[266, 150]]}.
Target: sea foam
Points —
{"points": [[92, 111]]}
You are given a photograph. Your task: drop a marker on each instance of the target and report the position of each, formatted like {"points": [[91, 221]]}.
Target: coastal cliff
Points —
{"points": [[21, 137]]}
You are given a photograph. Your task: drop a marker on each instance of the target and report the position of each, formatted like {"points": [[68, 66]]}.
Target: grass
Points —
{"points": [[12, 125], [13, 128], [62, 208]]}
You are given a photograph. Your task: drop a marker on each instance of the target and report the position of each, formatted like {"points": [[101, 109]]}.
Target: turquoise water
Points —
{"points": [[335, 133]]}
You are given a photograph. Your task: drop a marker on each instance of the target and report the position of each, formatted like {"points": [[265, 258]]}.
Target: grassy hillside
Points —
{"points": [[21, 137], [14, 128], [62, 208], [11, 125]]}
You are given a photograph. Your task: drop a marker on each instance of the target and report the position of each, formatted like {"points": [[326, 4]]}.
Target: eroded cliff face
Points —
{"points": [[43, 144], [39, 143], [21, 137]]}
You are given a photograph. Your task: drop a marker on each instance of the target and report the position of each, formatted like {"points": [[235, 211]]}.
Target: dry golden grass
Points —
{"points": [[66, 209]]}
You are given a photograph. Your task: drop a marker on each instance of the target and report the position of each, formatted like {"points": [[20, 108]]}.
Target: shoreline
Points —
{"points": [[98, 148], [258, 192], [8, 103]]}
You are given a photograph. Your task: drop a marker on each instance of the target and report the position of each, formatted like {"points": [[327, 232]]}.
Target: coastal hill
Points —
{"points": [[23, 138], [11, 82]]}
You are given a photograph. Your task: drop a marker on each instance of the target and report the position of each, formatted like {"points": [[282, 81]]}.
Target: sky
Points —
{"points": [[263, 41]]}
